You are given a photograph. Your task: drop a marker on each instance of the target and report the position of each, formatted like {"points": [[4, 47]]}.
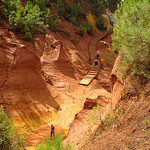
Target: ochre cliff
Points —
{"points": [[24, 91]]}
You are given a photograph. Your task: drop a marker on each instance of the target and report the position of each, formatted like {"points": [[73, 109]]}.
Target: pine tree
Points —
{"points": [[131, 36]]}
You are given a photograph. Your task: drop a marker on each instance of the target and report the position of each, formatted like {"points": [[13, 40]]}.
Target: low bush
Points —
{"points": [[81, 30], [73, 39], [28, 36], [67, 32], [9, 138], [88, 27], [55, 144], [74, 20]]}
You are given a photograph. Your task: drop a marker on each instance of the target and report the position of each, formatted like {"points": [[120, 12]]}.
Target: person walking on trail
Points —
{"points": [[97, 53], [52, 130], [95, 62]]}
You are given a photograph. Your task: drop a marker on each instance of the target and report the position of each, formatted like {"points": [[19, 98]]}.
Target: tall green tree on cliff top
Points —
{"points": [[131, 36]]}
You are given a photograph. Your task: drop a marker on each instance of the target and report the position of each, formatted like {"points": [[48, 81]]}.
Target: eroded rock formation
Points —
{"points": [[117, 83]]}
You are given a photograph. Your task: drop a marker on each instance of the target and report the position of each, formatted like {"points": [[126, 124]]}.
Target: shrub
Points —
{"points": [[81, 30], [41, 4], [57, 24], [9, 138], [73, 12], [67, 12], [98, 6], [131, 37], [73, 39], [74, 20], [67, 32], [48, 18], [88, 27], [34, 19], [76, 9], [100, 24], [56, 144], [28, 36], [29, 6]]}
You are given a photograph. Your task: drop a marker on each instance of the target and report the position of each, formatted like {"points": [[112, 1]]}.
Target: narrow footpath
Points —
{"points": [[87, 79]]}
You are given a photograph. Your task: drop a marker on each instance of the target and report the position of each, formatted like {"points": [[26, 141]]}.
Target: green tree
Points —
{"points": [[76, 9], [16, 18], [34, 21], [9, 138], [131, 36]]}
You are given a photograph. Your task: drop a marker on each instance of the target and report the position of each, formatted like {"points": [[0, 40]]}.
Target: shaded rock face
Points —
{"points": [[23, 92], [117, 84], [90, 103]]}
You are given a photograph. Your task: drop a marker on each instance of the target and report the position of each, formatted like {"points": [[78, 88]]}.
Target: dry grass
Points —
{"points": [[128, 127]]}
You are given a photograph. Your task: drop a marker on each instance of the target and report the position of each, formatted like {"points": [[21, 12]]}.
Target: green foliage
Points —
{"points": [[28, 6], [100, 23], [8, 6], [9, 139], [67, 32], [48, 18], [73, 12], [28, 36], [76, 9], [73, 39], [55, 144], [74, 20], [112, 4], [33, 17], [81, 30], [84, 27], [60, 8], [16, 18], [40, 3], [131, 36], [98, 6], [88, 27], [67, 12]]}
